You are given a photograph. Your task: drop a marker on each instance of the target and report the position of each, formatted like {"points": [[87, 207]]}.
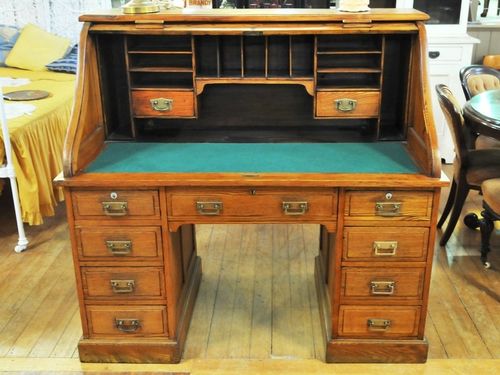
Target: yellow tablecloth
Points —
{"points": [[37, 141]]}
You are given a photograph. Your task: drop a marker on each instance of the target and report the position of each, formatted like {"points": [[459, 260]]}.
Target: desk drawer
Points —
{"points": [[347, 103], [253, 202], [163, 103], [116, 321], [119, 243], [384, 283], [379, 321], [123, 282], [388, 205], [385, 243], [116, 204]]}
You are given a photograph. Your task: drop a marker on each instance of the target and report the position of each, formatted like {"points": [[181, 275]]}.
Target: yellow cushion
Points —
{"points": [[36, 48]]}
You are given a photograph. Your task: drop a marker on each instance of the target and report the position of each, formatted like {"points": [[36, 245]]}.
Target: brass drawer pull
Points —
{"points": [[127, 325], [119, 247], [385, 248], [209, 208], [379, 324], [122, 286], [382, 287], [345, 104], [388, 208], [162, 104], [115, 208], [295, 208]]}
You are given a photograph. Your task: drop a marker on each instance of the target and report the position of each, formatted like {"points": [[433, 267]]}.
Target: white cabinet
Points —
{"points": [[452, 53], [450, 49]]}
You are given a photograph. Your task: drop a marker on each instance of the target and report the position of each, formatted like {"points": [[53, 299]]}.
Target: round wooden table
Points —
{"points": [[482, 113]]}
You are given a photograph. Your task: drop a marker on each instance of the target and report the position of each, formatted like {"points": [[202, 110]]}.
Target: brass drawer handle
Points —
{"points": [[295, 208], [127, 325], [385, 248], [209, 208], [115, 208], [388, 208], [345, 104], [382, 287], [162, 104], [122, 286], [379, 324], [119, 247]]}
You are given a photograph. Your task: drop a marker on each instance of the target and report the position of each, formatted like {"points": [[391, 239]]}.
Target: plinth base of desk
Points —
{"points": [[376, 351], [129, 351], [147, 350]]}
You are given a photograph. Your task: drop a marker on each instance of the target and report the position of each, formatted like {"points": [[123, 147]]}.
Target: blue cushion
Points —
{"points": [[66, 64], [8, 37]]}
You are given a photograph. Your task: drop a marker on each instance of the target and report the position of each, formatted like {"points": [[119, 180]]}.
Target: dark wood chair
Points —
{"points": [[476, 79], [491, 213], [486, 6], [470, 167]]}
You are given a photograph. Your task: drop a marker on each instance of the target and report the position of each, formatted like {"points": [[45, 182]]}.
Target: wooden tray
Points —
{"points": [[22, 95]]}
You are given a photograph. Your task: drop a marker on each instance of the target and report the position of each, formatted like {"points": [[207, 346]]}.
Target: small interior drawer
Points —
{"points": [[379, 321], [123, 282], [119, 243], [384, 284], [115, 204], [163, 103], [385, 243], [388, 205], [292, 204], [127, 321], [359, 104]]}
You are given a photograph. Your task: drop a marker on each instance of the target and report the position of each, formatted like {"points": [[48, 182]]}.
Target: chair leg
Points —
{"points": [[486, 226], [449, 204], [485, 9], [461, 194]]}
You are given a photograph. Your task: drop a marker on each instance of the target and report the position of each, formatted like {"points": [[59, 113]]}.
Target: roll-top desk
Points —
{"points": [[252, 116]]}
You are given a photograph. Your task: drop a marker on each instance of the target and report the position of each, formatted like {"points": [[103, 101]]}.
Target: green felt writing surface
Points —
{"points": [[381, 157]]}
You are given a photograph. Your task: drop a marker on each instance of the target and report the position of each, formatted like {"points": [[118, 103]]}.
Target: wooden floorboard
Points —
{"points": [[256, 308]]}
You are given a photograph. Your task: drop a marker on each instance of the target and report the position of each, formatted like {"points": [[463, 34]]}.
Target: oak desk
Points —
{"points": [[252, 116]]}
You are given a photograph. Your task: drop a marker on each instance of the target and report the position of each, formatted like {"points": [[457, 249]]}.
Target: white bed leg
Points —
{"points": [[8, 171], [22, 243]]}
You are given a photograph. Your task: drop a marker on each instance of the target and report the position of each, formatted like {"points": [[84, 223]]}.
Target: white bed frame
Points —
{"points": [[7, 171]]}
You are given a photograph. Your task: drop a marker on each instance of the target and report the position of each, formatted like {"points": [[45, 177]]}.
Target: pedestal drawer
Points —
{"points": [[123, 282], [388, 205], [259, 202], [379, 321], [119, 243], [113, 321], [385, 244], [115, 204], [385, 284]]}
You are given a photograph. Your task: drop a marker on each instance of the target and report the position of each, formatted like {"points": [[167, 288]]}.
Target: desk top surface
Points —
{"points": [[381, 157], [257, 15]]}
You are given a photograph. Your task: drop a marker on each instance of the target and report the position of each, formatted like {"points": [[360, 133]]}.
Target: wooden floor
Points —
{"points": [[242, 324]]}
